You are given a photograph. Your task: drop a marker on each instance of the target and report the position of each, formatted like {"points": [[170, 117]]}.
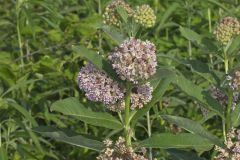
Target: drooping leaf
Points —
{"points": [[194, 127], [191, 35], [23, 111], [182, 140], [72, 107], [234, 46], [70, 138], [236, 116], [113, 33], [201, 69], [97, 60], [157, 95], [198, 93]]}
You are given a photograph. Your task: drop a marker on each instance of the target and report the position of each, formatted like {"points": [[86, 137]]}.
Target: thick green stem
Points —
{"points": [[229, 109], [228, 63], [127, 129], [225, 61], [149, 133], [224, 130]]}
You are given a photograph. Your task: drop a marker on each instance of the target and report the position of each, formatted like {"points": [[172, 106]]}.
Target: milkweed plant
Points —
{"points": [[129, 81]]}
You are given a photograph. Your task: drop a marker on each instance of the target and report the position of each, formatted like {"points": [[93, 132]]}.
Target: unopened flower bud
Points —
{"points": [[145, 16], [111, 16], [227, 29]]}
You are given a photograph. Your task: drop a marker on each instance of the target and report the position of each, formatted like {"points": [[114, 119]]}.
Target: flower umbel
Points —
{"points": [[119, 151], [111, 16], [227, 29], [141, 95], [233, 147], [219, 95], [145, 16], [98, 86], [134, 60]]}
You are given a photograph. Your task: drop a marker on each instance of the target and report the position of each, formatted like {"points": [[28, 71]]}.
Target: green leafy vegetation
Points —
{"points": [[193, 105]]}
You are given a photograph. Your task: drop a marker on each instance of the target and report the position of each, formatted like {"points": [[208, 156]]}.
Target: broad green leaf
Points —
{"points": [[198, 93], [169, 140], [234, 46], [70, 138], [236, 116], [194, 128], [178, 154], [190, 35], [113, 33], [97, 60], [72, 107], [3, 154], [208, 46], [201, 69]]}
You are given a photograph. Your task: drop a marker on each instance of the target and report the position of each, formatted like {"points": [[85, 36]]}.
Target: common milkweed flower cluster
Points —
{"points": [[119, 151], [234, 80], [98, 86], [227, 29], [143, 15], [134, 60], [219, 95], [233, 147]]}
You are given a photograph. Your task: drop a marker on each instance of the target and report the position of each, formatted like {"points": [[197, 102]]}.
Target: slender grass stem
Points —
{"points": [[210, 31], [189, 26], [20, 41], [209, 20], [127, 130], [149, 133], [100, 33]]}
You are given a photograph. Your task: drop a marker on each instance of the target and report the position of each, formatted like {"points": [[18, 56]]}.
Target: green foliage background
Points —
{"points": [[39, 67]]}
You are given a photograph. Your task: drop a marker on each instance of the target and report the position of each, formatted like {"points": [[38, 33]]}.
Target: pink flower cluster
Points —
{"points": [[98, 86], [134, 60]]}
